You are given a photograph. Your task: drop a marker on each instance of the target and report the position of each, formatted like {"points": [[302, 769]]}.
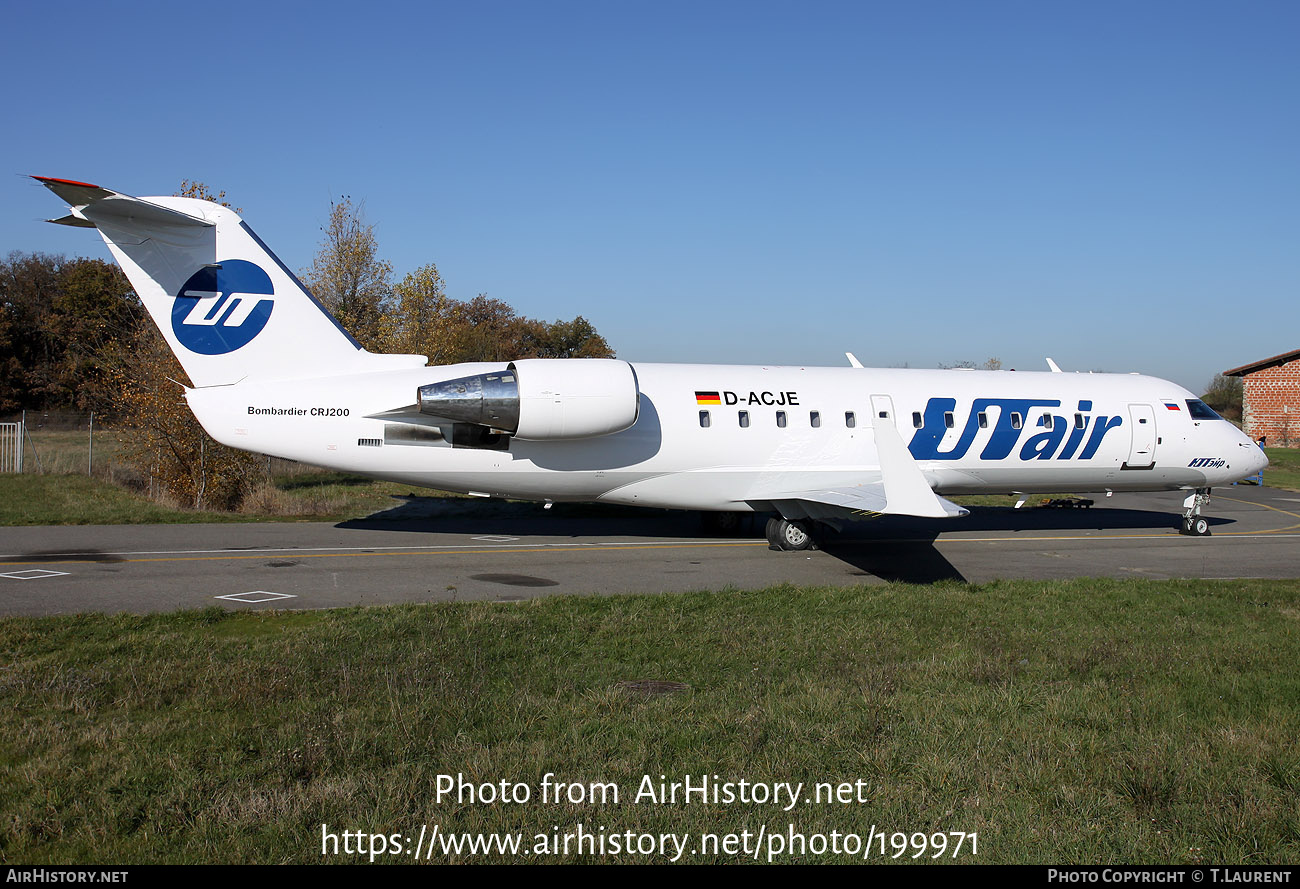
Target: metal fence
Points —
{"points": [[52, 441], [11, 447]]}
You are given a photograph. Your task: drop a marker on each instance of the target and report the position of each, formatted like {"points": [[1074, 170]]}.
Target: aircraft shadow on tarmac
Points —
{"points": [[993, 518], [895, 548], [435, 516]]}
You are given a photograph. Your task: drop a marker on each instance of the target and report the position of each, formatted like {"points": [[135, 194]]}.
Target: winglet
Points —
{"points": [[906, 490], [1052, 365], [853, 359]]}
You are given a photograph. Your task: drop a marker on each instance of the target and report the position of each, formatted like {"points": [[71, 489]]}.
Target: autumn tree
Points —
{"points": [[194, 189], [166, 444], [486, 329], [1226, 395], [564, 339], [62, 324], [421, 319], [95, 316], [348, 276], [28, 283]]}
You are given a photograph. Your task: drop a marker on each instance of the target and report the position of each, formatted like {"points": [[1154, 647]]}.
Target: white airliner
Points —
{"points": [[274, 373]]}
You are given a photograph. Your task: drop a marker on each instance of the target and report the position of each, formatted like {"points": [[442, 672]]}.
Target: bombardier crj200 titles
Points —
{"points": [[274, 373]]}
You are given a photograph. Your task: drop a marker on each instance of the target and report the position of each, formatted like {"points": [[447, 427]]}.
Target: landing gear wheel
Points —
{"points": [[1195, 524], [789, 536]]}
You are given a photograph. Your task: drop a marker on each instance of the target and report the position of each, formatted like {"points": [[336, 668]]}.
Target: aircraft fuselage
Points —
{"points": [[742, 436]]}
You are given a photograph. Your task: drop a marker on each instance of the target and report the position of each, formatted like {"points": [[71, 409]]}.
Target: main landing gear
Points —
{"points": [[790, 535], [1195, 524], [721, 524]]}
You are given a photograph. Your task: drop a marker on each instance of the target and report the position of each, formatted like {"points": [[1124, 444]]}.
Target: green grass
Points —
{"points": [[58, 450], [82, 500], [56, 491], [1283, 468], [1085, 721]]}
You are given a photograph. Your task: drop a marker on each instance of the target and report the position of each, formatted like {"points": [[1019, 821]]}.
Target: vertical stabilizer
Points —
{"points": [[227, 306]]}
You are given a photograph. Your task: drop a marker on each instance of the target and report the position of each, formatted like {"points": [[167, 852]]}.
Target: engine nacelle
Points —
{"points": [[541, 399]]}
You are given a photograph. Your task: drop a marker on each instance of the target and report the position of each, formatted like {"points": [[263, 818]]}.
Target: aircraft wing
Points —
{"points": [[901, 490], [859, 501]]}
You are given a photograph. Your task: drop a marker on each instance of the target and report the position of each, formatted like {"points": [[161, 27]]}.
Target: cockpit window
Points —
{"points": [[1200, 410]]}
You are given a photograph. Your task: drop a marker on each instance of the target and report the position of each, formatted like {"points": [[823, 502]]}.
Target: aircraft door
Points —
{"points": [[1142, 447]]}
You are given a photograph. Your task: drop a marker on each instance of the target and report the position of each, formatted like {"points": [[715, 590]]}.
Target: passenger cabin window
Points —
{"points": [[949, 420], [704, 419], [850, 420], [1016, 420], [984, 420], [1078, 421], [815, 418], [780, 419], [1046, 421], [744, 419], [916, 419]]}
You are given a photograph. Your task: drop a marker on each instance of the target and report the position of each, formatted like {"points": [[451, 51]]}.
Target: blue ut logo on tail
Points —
{"points": [[219, 309]]}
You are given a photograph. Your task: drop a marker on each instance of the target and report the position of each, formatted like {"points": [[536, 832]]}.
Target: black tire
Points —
{"points": [[1200, 527], [789, 536]]}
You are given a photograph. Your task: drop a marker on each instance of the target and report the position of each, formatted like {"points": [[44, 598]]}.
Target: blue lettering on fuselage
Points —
{"points": [[1014, 417]]}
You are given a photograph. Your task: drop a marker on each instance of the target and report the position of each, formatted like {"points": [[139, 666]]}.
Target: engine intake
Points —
{"points": [[541, 398]]}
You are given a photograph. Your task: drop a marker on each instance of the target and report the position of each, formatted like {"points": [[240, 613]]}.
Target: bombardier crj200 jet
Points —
{"points": [[274, 373]]}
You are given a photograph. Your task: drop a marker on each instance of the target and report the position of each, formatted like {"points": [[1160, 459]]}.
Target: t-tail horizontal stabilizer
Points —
{"points": [[112, 206]]}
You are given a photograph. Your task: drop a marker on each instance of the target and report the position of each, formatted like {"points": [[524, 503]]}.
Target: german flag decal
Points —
{"points": [[708, 398]]}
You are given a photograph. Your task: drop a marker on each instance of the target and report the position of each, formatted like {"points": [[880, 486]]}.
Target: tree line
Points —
{"points": [[75, 336], [416, 316], [65, 326]]}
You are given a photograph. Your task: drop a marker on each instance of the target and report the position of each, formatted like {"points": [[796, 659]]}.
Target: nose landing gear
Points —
{"points": [[1194, 524]]}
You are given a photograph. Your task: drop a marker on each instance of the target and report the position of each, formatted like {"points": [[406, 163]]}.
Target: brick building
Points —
{"points": [[1271, 390]]}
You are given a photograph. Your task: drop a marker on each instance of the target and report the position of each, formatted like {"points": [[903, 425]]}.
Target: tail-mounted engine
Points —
{"points": [[541, 398]]}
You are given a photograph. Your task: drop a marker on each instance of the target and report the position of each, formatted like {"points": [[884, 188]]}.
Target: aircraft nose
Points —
{"points": [[1254, 457], [1259, 461]]}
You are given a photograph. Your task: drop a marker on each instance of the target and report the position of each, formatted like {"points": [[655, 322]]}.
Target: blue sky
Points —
{"points": [[1112, 184]]}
